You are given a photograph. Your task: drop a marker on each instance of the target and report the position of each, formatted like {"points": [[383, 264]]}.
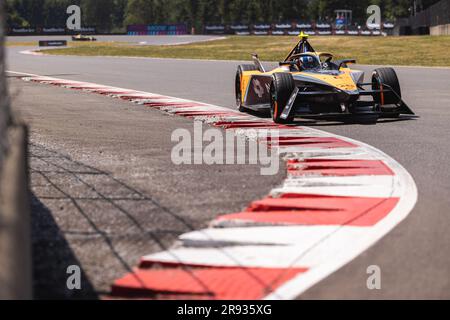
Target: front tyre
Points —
{"points": [[238, 82], [280, 91], [386, 79]]}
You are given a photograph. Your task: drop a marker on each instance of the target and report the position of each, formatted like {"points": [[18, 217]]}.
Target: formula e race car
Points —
{"points": [[81, 37], [310, 83]]}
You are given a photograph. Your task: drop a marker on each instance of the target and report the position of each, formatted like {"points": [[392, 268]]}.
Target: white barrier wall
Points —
{"points": [[442, 30]]}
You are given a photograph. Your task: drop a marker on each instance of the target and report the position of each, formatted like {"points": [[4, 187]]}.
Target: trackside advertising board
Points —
{"points": [[49, 30], [157, 29]]}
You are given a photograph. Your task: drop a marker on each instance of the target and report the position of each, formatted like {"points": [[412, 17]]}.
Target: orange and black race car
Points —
{"points": [[311, 83]]}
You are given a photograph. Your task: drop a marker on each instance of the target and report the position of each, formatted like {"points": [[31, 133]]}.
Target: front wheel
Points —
{"points": [[241, 69], [280, 91], [386, 79]]}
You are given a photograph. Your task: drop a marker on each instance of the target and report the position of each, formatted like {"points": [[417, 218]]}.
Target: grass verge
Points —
{"points": [[412, 50]]}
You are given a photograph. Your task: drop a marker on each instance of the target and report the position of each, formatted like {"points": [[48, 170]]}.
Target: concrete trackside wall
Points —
{"points": [[15, 220], [442, 30], [5, 114]]}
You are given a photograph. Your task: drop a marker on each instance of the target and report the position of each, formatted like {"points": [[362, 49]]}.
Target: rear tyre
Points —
{"points": [[280, 91], [386, 76], [239, 95]]}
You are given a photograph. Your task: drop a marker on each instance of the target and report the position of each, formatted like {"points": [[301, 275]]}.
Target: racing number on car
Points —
{"points": [[258, 88]]}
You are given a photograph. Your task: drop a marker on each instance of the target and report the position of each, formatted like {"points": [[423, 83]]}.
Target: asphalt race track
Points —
{"points": [[147, 40], [414, 257]]}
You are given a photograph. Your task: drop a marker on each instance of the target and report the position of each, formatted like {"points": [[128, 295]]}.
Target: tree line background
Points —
{"points": [[115, 15]]}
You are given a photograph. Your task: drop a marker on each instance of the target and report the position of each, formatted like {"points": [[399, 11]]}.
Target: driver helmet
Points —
{"points": [[309, 62]]}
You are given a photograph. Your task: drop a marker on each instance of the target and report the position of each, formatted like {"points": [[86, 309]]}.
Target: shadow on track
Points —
{"points": [[51, 257], [92, 220]]}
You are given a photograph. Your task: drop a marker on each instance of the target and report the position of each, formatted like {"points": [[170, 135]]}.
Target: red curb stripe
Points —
{"points": [[106, 92], [315, 210], [247, 124], [82, 87], [321, 142], [327, 167], [221, 283], [130, 98], [202, 113], [171, 104]]}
